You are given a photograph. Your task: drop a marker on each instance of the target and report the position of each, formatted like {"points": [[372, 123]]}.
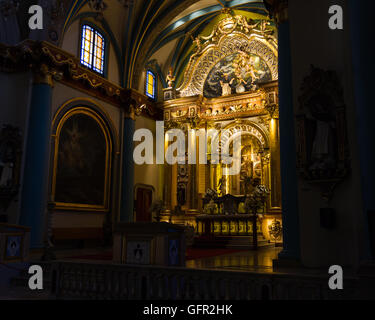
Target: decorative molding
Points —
{"points": [[254, 103], [52, 62]]}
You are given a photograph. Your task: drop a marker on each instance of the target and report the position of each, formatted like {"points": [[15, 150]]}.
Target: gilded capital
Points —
{"points": [[43, 75], [278, 9], [129, 111], [273, 110]]}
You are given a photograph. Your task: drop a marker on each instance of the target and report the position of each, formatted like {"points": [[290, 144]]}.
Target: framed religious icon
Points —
{"points": [[138, 250], [174, 252], [13, 247], [82, 162]]}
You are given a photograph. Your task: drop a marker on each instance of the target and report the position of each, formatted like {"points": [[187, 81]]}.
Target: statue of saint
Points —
{"points": [[246, 173], [6, 167], [226, 89], [170, 78], [323, 147], [6, 173]]}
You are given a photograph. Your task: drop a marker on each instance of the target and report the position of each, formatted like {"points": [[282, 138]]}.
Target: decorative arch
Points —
{"points": [[232, 130], [230, 36], [82, 157]]}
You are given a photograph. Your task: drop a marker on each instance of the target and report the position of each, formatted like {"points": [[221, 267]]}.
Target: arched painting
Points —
{"points": [[236, 73], [82, 161]]}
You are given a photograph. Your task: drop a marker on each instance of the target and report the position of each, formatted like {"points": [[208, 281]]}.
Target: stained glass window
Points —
{"points": [[150, 84], [92, 49]]}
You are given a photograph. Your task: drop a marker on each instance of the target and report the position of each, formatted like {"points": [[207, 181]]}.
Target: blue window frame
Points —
{"points": [[150, 84], [93, 45]]}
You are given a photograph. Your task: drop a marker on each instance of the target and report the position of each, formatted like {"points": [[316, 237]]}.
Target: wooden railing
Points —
{"points": [[72, 280]]}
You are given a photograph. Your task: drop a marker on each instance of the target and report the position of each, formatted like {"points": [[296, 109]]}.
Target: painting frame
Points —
{"points": [[104, 206]]}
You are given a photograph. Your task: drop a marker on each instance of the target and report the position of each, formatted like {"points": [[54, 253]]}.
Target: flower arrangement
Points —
{"points": [[257, 199]]}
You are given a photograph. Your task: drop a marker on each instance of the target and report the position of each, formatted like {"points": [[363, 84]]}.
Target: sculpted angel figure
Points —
{"points": [[263, 28], [242, 21], [198, 43]]}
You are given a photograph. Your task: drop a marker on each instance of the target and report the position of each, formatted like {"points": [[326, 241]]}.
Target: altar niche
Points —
{"points": [[229, 84], [254, 117]]}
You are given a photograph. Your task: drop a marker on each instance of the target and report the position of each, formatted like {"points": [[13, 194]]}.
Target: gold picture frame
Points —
{"points": [[104, 207]]}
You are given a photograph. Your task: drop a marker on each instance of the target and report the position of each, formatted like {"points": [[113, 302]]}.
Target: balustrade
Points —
{"points": [[72, 280]]}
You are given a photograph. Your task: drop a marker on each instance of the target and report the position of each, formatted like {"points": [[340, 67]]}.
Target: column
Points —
{"points": [[275, 201], [361, 26], [193, 190], [167, 190], [291, 237], [37, 153], [127, 190]]}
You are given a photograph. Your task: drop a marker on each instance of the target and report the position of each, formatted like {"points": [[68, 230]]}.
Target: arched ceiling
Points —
{"points": [[160, 31]]}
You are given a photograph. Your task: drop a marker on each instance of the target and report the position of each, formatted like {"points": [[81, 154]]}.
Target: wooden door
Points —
{"points": [[143, 204]]}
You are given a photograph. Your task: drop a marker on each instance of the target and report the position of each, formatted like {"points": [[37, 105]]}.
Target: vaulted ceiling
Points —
{"points": [[159, 32]]}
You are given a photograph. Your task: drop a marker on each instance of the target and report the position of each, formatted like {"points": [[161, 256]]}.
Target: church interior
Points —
{"points": [[82, 96]]}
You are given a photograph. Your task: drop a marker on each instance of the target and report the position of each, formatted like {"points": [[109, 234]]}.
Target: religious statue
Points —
{"points": [[6, 173], [323, 150], [245, 72], [170, 78], [246, 173], [7, 158], [198, 44], [156, 208], [225, 86], [244, 24], [10, 153], [181, 194], [251, 69], [222, 186]]}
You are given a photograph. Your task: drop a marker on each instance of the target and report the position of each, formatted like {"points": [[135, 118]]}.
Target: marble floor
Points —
{"points": [[255, 261], [244, 260]]}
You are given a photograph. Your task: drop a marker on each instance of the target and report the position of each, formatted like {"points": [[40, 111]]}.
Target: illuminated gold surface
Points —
{"points": [[227, 37]]}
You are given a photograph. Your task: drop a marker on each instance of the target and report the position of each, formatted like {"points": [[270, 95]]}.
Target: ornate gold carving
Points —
{"points": [[222, 108], [43, 75], [246, 127], [229, 36], [273, 110]]}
